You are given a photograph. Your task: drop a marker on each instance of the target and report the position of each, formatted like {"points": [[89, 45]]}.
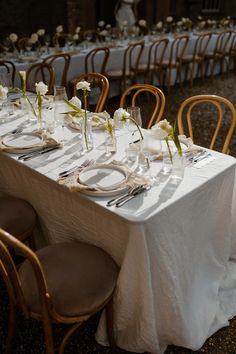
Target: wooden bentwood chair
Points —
{"points": [[61, 283], [17, 217], [99, 89], [221, 104], [139, 89], [40, 72], [54, 59], [128, 71], [9, 68], [96, 60]]}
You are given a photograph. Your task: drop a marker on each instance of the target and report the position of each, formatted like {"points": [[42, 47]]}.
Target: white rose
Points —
{"points": [[108, 26], [41, 88], [76, 36], [101, 23], [59, 29], [179, 23], [41, 32], [83, 85], [159, 24], [169, 19], [77, 30], [3, 92], [162, 129], [142, 23], [76, 102], [13, 37], [33, 38], [124, 23], [120, 115]]}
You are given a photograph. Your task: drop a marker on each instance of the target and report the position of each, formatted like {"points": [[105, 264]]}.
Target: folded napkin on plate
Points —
{"points": [[97, 120], [47, 141], [133, 180]]}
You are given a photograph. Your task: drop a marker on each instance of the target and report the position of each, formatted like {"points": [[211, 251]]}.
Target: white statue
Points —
{"points": [[125, 13]]}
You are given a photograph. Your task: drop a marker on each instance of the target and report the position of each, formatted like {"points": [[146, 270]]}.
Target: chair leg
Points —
{"points": [[110, 323], [48, 335], [11, 328], [66, 337]]}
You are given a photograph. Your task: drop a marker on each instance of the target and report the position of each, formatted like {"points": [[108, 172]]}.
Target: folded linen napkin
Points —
{"points": [[97, 120], [132, 180], [46, 141]]}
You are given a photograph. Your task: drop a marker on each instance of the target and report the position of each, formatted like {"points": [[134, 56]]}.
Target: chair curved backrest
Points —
{"points": [[9, 68], [158, 95], [177, 50], [98, 81], [156, 55], [132, 57], [42, 292], [40, 72], [55, 60], [201, 45], [185, 115], [97, 57]]}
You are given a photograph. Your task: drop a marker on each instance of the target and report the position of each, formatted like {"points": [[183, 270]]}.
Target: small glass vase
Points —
{"points": [[110, 144], [178, 165], [86, 135]]}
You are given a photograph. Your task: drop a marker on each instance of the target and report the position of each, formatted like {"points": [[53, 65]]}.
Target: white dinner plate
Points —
{"points": [[110, 179], [23, 141]]}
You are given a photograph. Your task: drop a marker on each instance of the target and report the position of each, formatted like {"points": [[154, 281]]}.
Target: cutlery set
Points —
{"points": [[71, 170], [132, 193], [31, 155], [194, 158]]}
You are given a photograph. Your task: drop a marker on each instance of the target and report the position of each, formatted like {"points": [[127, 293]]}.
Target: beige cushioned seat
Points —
{"points": [[79, 277], [17, 216]]}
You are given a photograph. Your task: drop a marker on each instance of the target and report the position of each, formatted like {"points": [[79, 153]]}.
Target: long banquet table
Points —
{"points": [[115, 62], [172, 243]]}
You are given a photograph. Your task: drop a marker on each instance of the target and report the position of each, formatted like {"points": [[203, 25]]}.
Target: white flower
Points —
{"points": [[162, 129], [76, 36], [22, 75], [179, 23], [120, 115], [76, 102], [142, 23], [101, 23], [33, 38], [108, 26], [41, 88], [124, 23], [3, 92], [199, 18], [169, 19], [59, 29], [41, 32], [103, 33], [13, 37], [77, 30], [159, 25], [83, 85]]}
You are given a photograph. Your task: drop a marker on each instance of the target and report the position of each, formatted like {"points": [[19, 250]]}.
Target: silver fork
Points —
{"points": [[66, 173]]}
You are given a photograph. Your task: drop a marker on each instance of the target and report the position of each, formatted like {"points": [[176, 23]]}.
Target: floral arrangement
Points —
{"points": [[121, 116], [3, 92], [75, 104], [164, 130], [41, 90]]}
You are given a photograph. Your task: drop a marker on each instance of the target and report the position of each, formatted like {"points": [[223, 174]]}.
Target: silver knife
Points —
{"points": [[200, 158], [141, 190], [38, 153]]}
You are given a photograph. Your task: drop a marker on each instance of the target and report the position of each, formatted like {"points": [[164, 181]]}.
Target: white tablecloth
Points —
{"points": [[172, 243]]}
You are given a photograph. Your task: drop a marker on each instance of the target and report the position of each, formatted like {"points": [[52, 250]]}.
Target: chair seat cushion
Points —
{"points": [[80, 278], [17, 216]]}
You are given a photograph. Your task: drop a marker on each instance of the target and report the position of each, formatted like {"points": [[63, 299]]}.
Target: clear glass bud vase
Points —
{"points": [[87, 137]]}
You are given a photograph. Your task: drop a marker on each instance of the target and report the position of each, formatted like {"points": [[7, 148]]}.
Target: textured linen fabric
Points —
{"points": [[172, 243]]}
